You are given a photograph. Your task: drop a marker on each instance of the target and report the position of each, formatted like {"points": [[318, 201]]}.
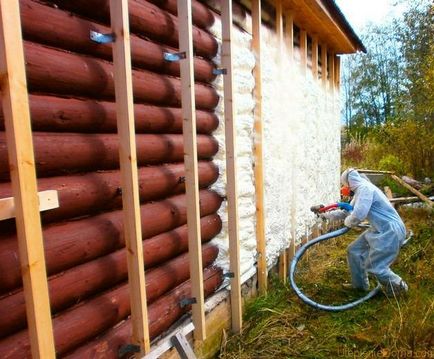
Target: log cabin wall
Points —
{"points": [[71, 93]]}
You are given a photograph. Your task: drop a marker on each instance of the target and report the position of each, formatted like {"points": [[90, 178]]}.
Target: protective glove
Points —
{"points": [[351, 221], [336, 215]]}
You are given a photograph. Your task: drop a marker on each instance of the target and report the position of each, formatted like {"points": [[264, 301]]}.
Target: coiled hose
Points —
{"points": [[330, 308]]}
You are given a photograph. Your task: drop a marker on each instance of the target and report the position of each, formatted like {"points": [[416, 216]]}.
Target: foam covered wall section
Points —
{"points": [[301, 144]]}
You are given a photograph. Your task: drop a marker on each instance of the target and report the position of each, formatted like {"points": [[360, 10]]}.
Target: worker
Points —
{"points": [[376, 249]]}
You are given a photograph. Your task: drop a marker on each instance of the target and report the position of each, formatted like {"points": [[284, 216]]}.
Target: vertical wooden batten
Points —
{"points": [[289, 35], [259, 176], [303, 51], [129, 177], [324, 60], [23, 176], [332, 79], [190, 161], [231, 170], [315, 57], [279, 33], [337, 73]]}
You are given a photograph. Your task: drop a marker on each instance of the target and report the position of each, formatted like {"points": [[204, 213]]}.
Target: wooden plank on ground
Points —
{"points": [[413, 190], [46, 199], [389, 194], [129, 177], [231, 168], [23, 177], [190, 161], [259, 176]]}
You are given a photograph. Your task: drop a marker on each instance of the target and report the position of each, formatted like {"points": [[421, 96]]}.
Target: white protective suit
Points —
{"points": [[376, 249]]}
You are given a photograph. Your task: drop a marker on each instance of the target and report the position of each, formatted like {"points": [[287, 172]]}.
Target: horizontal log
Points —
{"points": [[147, 20], [71, 152], [56, 114], [83, 322], [93, 192], [71, 243], [202, 16], [80, 282], [69, 32], [161, 315], [55, 71]]}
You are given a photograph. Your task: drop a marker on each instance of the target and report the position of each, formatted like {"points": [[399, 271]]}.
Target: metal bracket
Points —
{"points": [[174, 57], [182, 346], [219, 71], [187, 301], [229, 275], [128, 348], [102, 38]]}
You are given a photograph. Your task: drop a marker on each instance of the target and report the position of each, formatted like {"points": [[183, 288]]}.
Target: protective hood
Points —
{"points": [[351, 178]]}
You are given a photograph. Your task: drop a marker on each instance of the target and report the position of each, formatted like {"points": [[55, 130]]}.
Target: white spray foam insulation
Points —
{"points": [[301, 144]]}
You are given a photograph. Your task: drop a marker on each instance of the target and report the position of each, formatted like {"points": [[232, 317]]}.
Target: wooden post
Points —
{"points": [[389, 194], [23, 176], [337, 73], [289, 31], [303, 51], [231, 170], [129, 177], [315, 57], [290, 44], [259, 176], [324, 59], [413, 190], [332, 79], [190, 161], [279, 32]]}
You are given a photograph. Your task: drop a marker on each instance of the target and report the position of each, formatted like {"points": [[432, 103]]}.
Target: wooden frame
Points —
{"points": [[303, 51], [23, 176], [231, 170], [190, 161], [315, 57], [279, 31], [259, 176], [46, 200], [324, 60], [128, 168]]}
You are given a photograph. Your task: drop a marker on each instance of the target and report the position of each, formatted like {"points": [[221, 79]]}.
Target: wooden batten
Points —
{"points": [[315, 57], [324, 60], [259, 175], [190, 161], [289, 35], [332, 78], [23, 176], [129, 176], [337, 73], [303, 51], [231, 170]]}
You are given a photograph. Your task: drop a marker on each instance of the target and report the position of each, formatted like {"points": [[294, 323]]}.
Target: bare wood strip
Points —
{"points": [[190, 160], [259, 175], [23, 175], [413, 190], [231, 170]]}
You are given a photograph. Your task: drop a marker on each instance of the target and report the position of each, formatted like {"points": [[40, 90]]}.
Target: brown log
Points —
{"points": [[83, 322], [78, 283], [147, 20], [71, 243], [56, 114], [69, 32], [71, 152], [202, 16], [55, 71], [93, 192], [161, 315]]}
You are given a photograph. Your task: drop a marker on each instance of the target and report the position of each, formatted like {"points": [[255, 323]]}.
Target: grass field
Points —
{"points": [[278, 325]]}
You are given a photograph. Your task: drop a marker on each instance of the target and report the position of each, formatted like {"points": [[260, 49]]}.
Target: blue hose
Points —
{"points": [[330, 308]]}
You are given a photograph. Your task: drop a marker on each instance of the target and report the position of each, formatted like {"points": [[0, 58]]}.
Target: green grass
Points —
{"points": [[278, 325]]}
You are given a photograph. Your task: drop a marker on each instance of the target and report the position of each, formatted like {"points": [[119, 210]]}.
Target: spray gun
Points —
{"points": [[339, 205]]}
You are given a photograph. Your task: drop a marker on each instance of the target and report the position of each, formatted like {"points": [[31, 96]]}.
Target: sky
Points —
{"points": [[360, 12]]}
